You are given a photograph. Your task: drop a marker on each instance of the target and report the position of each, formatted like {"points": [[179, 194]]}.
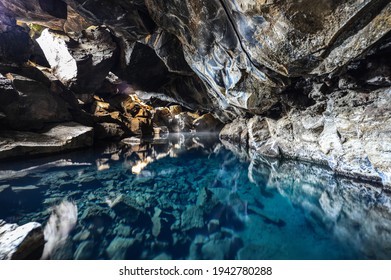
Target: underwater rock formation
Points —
{"points": [[21, 242]]}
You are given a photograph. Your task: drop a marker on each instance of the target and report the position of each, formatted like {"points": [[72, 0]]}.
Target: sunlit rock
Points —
{"points": [[81, 64], [21, 242], [349, 133]]}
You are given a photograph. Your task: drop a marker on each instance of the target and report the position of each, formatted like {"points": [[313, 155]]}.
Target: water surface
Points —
{"points": [[192, 198]]}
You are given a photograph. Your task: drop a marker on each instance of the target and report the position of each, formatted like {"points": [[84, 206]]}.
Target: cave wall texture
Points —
{"points": [[300, 79]]}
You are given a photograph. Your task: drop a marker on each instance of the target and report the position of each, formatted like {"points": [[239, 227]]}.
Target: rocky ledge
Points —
{"points": [[349, 131], [60, 138]]}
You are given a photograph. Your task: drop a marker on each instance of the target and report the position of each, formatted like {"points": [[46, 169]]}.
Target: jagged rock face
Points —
{"points": [[44, 12], [128, 18], [214, 52], [349, 132], [81, 65], [15, 43], [27, 104], [21, 242], [243, 49]]}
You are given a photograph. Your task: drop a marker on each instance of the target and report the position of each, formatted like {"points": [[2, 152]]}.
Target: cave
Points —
{"points": [[145, 129]]}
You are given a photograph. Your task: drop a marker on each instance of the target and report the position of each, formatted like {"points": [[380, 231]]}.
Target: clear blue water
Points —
{"points": [[194, 198]]}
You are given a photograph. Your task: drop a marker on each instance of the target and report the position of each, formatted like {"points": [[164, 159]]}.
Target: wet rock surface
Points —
{"points": [[21, 242], [82, 63], [346, 132], [28, 104]]}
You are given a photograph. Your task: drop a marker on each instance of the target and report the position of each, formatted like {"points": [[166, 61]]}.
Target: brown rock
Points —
{"points": [[207, 123]]}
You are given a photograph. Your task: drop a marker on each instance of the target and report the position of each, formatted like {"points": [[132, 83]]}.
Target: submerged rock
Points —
{"points": [[85, 251], [28, 104], [120, 247], [192, 218], [21, 242]]}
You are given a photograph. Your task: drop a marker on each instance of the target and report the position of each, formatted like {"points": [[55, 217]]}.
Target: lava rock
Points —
{"points": [[21, 242], [81, 64], [29, 104], [207, 123]]}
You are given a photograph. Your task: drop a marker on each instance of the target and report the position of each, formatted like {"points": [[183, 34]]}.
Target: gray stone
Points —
{"points": [[207, 200], [81, 64], [21, 242], [213, 226], [162, 257], [82, 235], [94, 213], [123, 230], [62, 137], [156, 222], [251, 252], [131, 208]]}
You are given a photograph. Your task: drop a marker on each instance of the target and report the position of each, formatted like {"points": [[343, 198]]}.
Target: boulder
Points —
{"points": [[81, 63], [105, 131], [120, 247], [28, 104], [84, 251], [133, 209], [21, 242], [182, 122]]}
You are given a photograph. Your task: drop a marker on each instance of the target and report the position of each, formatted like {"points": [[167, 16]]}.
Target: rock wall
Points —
{"points": [[306, 80]]}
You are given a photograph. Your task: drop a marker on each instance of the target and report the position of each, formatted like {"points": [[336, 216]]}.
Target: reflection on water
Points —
{"points": [[192, 197]]}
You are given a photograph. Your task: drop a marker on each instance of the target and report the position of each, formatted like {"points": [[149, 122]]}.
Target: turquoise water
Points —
{"points": [[191, 197]]}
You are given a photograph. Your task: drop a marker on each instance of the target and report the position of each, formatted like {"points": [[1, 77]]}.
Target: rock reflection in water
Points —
{"points": [[358, 214], [188, 197]]}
